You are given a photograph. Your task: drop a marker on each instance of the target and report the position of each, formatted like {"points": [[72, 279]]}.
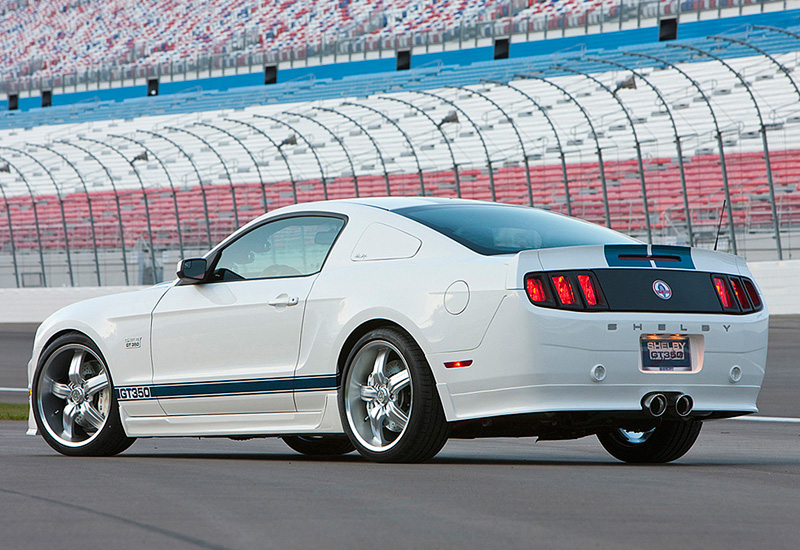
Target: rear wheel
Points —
{"points": [[73, 400], [319, 445], [388, 400], [666, 442]]}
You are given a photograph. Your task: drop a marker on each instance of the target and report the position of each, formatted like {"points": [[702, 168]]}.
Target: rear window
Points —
{"points": [[491, 229]]}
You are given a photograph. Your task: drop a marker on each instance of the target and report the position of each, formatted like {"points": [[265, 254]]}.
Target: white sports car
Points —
{"points": [[389, 325]]}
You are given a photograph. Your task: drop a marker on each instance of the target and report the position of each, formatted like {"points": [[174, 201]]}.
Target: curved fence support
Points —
{"points": [[335, 138], [718, 135], [762, 130], [224, 167], [637, 145], [280, 151], [116, 202], [169, 180], [246, 150], [60, 204], [435, 125], [785, 72], [196, 173], [561, 154], [69, 163], [371, 139], [678, 149], [391, 121], [144, 199], [513, 127], [310, 147], [598, 149], [11, 235], [35, 218], [477, 131]]}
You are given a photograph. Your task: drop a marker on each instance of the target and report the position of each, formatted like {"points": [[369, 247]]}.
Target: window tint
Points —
{"points": [[284, 248], [503, 229]]}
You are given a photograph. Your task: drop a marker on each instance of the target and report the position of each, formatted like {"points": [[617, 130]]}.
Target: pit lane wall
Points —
{"points": [[779, 282]]}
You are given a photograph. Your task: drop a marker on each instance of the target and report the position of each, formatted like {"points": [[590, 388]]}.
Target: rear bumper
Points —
{"points": [[541, 360]]}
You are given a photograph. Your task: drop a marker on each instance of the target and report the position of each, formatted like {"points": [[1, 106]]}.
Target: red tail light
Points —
{"points": [[723, 293], [752, 293], [587, 287], [740, 294], [564, 290], [535, 288]]}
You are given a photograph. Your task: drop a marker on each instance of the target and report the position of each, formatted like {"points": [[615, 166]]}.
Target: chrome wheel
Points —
{"points": [[668, 441], [378, 395], [73, 395], [635, 438]]}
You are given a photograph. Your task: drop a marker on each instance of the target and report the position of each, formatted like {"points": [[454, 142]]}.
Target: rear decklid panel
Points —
{"points": [[627, 273]]}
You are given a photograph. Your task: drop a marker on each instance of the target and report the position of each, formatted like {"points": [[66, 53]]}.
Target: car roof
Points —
{"points": [[396, 203]]}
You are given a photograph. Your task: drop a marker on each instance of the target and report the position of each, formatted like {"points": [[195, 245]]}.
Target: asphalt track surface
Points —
{"points": [[739, 487]]}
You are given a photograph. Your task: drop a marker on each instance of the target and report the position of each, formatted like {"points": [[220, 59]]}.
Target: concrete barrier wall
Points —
{"points": [[34, 305], [779, 282]]}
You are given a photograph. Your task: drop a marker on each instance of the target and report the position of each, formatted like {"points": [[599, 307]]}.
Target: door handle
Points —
{"points": [[284, 300]]}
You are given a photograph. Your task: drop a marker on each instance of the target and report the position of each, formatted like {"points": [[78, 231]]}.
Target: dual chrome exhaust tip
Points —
{"points": [[658, 404]]}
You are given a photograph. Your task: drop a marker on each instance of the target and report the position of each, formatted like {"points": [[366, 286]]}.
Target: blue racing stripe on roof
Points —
{"points": [[684, 253]]}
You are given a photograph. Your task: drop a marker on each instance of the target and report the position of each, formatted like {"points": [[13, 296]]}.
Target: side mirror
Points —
{"points": [[192, 270]]}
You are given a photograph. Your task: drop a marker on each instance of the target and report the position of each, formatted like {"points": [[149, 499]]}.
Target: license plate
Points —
{"points": [[665, 353]]}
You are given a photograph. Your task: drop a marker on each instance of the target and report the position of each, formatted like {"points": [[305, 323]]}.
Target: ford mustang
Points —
{"points": [[388, 325]]}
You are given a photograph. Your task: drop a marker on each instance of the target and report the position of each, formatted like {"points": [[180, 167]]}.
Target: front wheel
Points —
{"points": [[73, 400], [666, 442], [388, 400]]}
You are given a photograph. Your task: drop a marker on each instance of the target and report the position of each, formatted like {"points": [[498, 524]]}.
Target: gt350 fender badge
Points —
{"points": [[662, 289], [133, 343]]}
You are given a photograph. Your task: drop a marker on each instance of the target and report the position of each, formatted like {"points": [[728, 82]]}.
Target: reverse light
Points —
{"points": [[587, 287], [535, 288], [564, 290], [723, 293]]}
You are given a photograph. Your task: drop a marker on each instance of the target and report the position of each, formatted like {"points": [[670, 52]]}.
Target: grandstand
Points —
{"points": [[649, 138]]}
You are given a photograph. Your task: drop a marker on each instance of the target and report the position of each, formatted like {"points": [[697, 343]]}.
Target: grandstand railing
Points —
{"points": [[513, 18]]}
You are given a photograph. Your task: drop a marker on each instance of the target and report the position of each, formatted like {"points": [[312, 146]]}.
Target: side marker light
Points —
{"points": [[458, 364]]}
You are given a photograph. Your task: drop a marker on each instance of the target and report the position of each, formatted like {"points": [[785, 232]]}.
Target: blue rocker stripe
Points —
{"points": [[241, 387]]}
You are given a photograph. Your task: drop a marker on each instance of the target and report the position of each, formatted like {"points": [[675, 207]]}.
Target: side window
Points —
{"points": [[290, 247]]}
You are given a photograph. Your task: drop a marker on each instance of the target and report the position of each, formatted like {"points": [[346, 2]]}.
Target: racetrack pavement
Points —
{"points": [[738, 488]]}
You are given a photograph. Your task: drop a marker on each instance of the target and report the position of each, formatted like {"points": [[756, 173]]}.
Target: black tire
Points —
{"points": [[667, 442], [60, 387], [391, 413], [319, 445]]}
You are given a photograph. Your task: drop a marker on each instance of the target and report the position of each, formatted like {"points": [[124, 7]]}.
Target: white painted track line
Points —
{"points": [[768, 419]]}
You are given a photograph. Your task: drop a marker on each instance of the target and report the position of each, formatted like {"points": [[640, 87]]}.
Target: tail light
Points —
{"points": [[752, 293], [570, 290], [736, 294], [582, 291], [587, 287], [564, 290], [723, 293], [536, 291], [740, 294]]}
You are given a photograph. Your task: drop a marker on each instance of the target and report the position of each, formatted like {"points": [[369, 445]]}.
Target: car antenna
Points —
{"points": [[719, 224]]}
